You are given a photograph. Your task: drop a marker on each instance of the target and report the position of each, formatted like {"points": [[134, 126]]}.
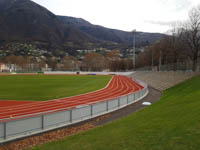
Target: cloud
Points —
{"points": [[163, 23], [176, 5], [182, 5], [151, 16]]}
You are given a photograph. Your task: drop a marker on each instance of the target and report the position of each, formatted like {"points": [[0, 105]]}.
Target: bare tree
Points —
{"points": [[42, 63], [113, 60], [94, 62], [69, 63], [11, 62], [20, 62], [190, 35], [183, 43], [52, 62]]}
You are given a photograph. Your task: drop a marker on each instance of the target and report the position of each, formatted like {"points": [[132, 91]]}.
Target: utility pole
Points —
{"points": [[152, 59], [134, 37], [160, 60]]}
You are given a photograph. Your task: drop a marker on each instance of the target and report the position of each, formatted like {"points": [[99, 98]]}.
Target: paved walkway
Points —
{"points": [[153, 96]]}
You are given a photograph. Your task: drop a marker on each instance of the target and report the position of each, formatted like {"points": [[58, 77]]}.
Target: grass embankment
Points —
{"points": [[173, 123], [47, 87]]}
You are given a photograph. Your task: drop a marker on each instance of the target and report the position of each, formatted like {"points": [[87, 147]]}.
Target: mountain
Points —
{"points": [[106, 34], [24, 21]]}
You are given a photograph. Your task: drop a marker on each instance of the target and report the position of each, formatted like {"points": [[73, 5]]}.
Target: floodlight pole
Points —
{"points": [[152, 63], [160, 60], [134, 37]]}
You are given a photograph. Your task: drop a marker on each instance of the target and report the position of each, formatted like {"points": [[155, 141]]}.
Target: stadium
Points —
{"points": [[74, 77], [24, 118]]}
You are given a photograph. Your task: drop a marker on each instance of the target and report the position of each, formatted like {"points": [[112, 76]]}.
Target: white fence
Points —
{"points": [[85, 72], [30, 125]]}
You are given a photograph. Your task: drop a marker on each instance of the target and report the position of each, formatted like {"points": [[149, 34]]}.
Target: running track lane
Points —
{"points": [[118, 86]]}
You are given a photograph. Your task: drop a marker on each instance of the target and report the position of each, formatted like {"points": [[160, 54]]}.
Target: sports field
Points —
{"points": [[172, 123], [47, 87], [118, 86]]}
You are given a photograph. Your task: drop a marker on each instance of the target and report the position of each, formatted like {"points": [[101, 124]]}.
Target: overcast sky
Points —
{"points": [[142, 15]]}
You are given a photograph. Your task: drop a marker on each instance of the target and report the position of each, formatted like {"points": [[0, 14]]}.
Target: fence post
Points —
{"points": [[70, 115], [107, 105], [42, 119], [139, 93], [5, 136], [118, 102], [91, 110]]}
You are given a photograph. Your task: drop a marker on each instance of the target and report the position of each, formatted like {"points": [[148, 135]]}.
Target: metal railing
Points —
{"points": [[11, 129]]}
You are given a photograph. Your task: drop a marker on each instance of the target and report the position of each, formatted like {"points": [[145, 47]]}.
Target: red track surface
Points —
{"points": [[118, 86]]}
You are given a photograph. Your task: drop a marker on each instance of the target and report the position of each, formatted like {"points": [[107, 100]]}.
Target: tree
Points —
{"points": [[52, 62], [113, 60], [94, 62], [42, 63], [183, 43], [20, 62], [113, 55], [190, 35], [32, 64], [11, 62], [69, 63]]}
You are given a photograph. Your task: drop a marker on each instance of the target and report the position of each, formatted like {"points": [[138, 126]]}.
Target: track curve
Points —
{"points": [[118, 86]]}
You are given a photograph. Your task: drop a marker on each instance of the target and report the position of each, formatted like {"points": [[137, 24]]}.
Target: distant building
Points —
{"points": [[93, 50], [86, 51], [7, 67], [2, 67], [46, 68]]}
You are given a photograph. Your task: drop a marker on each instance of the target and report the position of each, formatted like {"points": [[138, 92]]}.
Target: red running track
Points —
{"points": [[118, 86]]}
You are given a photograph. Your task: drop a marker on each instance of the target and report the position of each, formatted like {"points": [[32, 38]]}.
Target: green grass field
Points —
{"points": [[43, 87], [173, 123]]}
